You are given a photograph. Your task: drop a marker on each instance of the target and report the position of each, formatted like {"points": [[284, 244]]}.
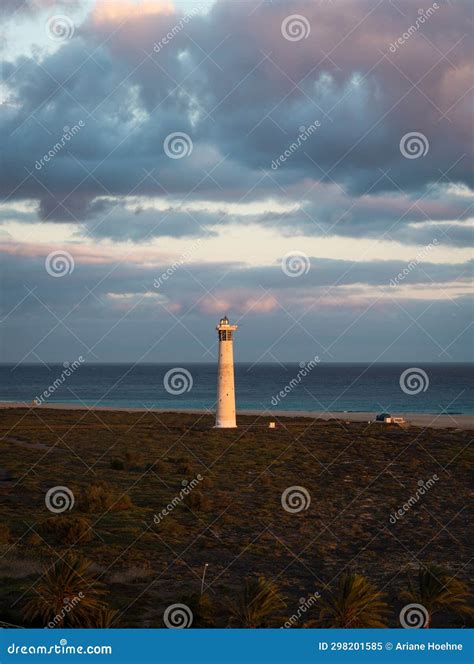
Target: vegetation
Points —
{"points": [[355, 603], [105, 618], [69, 583], [4, 533], [62, 529], [148, 534], [197, 500], [202, 608], [257, 604], [437, 590], [101, 497]]}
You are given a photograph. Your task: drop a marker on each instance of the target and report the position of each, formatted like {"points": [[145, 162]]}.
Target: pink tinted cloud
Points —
{"points": [[81, 253], [89, 254], [107, 11], [238, 301]]}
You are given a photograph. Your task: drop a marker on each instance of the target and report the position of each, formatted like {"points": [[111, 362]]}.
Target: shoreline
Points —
{"points": [[431, 420]]}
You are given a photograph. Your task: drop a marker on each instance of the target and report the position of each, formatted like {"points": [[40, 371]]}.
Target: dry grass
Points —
{"points": [[124, 468]]}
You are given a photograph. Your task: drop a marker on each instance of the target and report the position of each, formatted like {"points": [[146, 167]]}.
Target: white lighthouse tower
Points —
{"points": [[225, 415]]}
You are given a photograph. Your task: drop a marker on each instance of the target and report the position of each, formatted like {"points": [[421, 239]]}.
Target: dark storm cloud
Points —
{"points": [[141, 224], [74, 208], [242, 92], [393, 215], [447, 234]]}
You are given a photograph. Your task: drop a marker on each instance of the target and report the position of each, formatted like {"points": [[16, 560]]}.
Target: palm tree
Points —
{"points": [[256, 602], [355, 603], [437, 590], [202, 609], [104, 618], [67, 595]]}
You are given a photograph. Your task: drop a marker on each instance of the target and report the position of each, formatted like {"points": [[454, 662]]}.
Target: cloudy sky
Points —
{"points": [[304, 167]]}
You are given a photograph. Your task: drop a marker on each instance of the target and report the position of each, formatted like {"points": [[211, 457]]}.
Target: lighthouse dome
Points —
{"points": [[224, 321]]}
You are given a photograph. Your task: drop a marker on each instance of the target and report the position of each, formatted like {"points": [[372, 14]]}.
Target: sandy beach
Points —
{"points": [[431, 420]]}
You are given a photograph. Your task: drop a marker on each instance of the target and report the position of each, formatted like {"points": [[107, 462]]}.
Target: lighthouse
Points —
{"points": [[225, 415]]}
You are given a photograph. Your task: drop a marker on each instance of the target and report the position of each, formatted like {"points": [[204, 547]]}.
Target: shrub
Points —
{"points": [[34, 540], [170, 527], [184, 466], [197, 500], [159, 467], [101, 497], [123, 502], [133, 460], [66, 529], [4, 533], [202, 609]]}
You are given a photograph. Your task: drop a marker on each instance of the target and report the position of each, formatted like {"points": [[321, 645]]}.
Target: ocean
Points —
{"points": [[427, 388]]}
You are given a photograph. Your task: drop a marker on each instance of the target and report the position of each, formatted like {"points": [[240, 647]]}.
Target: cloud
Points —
{"points": [[116, 308], [215, 284], [108, 12], [245, 96], [31, 7], [243, 106]]}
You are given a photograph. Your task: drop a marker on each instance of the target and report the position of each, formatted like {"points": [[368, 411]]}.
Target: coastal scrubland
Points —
{"points": [[167, 510]]}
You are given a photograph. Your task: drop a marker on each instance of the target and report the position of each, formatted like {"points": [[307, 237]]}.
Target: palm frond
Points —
{"points": [[257, 602], [356, 603]]}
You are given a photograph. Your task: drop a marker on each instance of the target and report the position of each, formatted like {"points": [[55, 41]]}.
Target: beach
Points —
{"points": [[424, 420]]}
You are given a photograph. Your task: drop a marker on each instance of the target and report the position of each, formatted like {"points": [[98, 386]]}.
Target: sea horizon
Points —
{"points": [[246, 363], [310, 387]]}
